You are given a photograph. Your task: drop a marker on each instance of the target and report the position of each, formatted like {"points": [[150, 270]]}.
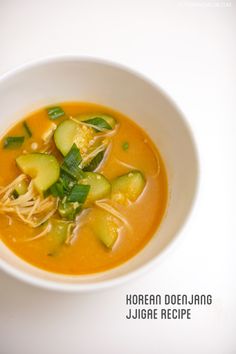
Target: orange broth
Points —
{"points": [[87, 254]]}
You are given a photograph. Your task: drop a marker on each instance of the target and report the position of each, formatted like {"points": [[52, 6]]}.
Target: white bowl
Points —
{"points": [[69, 78]]}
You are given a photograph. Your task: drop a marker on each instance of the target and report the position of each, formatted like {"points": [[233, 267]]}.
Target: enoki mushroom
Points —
{"points": [[103, 205], [129, 166], [30, 207], [90, 156]]}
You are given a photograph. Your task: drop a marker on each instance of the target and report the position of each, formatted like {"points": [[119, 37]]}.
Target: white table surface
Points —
{"points": [[188, 48]]}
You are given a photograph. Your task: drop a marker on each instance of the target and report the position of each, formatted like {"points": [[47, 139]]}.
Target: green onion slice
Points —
{"points": [[79, 193], [57, 190], [27, 129], [71, 163], [93, 164], [98, 122], [68, 210], [55, 112], [13, 142], [125, 146]]}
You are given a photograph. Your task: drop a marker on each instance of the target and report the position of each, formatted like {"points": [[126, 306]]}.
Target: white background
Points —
{"points": [[188, 48]]}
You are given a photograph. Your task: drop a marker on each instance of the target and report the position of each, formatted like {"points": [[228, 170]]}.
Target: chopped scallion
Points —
{"points": [[73, 157], [93, 164], [13, 142], [99, 122], [79, 193], [71, 163], [66, 180], [27, 129], [68, 210], [125, 146], [62, 187], [75, 173], [55, 112], [57, 190]]}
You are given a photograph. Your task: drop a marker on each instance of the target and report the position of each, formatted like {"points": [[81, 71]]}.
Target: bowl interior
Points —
{"points": [[68, 79]]}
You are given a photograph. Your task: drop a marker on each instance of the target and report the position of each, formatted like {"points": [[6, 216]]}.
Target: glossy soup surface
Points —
{"points": [[87, 254]]}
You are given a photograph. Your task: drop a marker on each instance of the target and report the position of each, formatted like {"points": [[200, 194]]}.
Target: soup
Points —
{"points": [[83, 188]]}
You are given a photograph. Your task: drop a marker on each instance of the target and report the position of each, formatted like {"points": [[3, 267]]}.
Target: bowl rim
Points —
{"points": [[59, 285]]}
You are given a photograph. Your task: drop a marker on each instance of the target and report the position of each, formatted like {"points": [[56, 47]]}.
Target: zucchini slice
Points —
{"points": [[105, 227], [60, 230], [100, 187], [127, 187], [20, 189], [69, 132], [42, 168]]}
